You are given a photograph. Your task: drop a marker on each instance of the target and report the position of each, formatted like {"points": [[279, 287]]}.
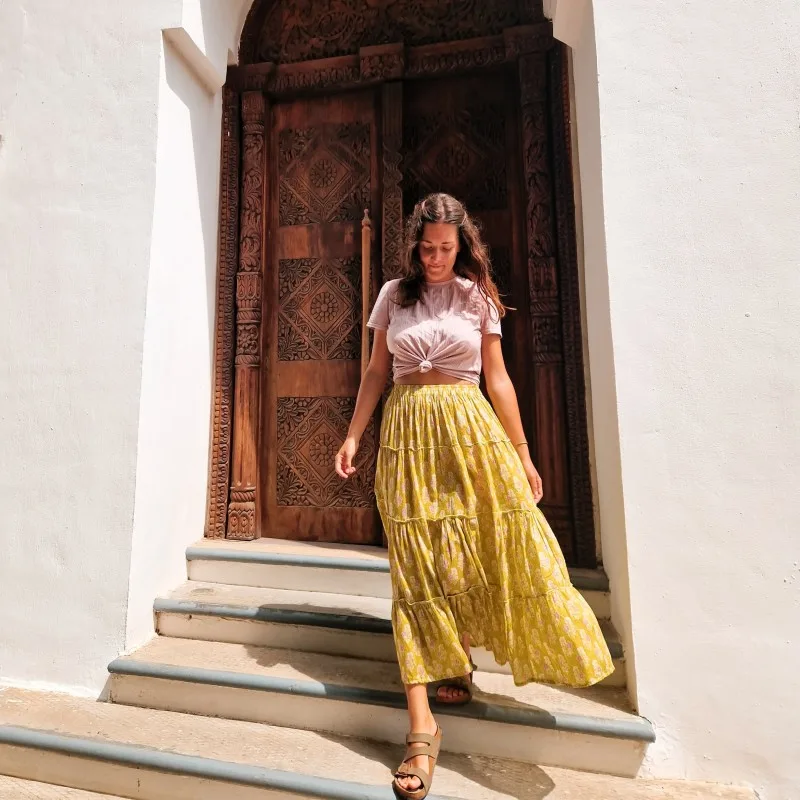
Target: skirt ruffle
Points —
{"points": [[469, 550]]}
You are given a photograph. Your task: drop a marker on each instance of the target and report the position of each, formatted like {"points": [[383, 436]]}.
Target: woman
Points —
{"points": [[472, 558]]}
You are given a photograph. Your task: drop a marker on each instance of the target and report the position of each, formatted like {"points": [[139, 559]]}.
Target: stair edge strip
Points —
{"points": [[636, 728], [589, 583], [171, 762], [286, 559], [318, 619]]}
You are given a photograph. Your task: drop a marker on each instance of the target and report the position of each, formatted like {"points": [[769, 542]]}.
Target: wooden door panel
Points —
{"points": [[459, 136], [462, 136], [324, 176]]}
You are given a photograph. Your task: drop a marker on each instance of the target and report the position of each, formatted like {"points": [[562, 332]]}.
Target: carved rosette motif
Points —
{"points": [[224, 337], [310, 430], [242, 521], [319, 315], [461, 154], [569, 287], [325, 174]]}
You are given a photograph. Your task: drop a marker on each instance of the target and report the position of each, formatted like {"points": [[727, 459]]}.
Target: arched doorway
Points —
{"points": [[337, 107]]}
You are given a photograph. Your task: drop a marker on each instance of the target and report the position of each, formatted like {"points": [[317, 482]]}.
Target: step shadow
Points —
{"points": [[306, 663], [518, 780], [309, 667], [514, 779]]}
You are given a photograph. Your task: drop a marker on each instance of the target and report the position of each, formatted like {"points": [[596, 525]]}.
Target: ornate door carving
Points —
{"points": [[323, 175], [483, 118], [462, 136]]}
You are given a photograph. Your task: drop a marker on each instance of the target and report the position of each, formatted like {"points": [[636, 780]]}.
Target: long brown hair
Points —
{"points": [[472, 260]]}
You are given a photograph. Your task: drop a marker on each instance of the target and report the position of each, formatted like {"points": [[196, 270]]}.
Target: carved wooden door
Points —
{"points": [[461, 135], [323, 171]]}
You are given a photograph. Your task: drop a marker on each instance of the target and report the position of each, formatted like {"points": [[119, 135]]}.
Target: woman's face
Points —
{"points": [[438, 248]]}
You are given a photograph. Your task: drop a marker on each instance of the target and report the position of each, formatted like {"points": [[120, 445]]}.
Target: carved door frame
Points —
{"points": [[550, 240]]}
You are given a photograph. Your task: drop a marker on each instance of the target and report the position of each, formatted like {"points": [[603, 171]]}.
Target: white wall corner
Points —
{"points": [[197, 61], [568, 18]]}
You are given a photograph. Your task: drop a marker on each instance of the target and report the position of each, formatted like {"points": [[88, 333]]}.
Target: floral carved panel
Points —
{"points": [[324, 174], [310, 430], [302, 30], [320, 310], [462, 153]]}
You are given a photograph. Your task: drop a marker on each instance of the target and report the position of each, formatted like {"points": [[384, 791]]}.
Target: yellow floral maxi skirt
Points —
{"points": [[469, 550]]}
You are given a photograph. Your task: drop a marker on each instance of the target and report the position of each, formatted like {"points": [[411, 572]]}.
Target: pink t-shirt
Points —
{"points": [[442, 331]]}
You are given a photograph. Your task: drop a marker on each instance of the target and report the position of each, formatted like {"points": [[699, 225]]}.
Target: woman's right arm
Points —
{"points": [[370, 391]]}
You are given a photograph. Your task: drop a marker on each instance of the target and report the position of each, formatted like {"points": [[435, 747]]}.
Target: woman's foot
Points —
{"points": [[459, 690], [412, 783], [455, 692]]}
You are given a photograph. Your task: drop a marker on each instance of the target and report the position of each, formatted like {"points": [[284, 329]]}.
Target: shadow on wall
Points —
{"points": [[601, 374], [205, 120]]}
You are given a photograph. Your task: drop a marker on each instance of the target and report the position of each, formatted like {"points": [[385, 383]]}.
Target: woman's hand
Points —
{"points": [[534, 479], [344, 458]]}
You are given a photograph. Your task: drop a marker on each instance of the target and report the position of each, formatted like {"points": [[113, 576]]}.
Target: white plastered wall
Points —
{"points": [[600, 380], [172, 468], [109, 169], [78, 116], [172, 465], [689, 144]]}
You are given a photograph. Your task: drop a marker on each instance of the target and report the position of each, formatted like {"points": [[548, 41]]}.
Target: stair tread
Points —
{"points": [[320, 554], [256, 745], [289, 547], [263, 662], [18, 789], [200, 596], [211, 594]]}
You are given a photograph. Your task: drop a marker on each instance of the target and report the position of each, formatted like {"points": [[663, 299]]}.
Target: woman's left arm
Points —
{"points": [[504, 399]]}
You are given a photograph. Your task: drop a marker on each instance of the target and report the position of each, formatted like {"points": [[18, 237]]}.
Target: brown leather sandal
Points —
{"points": [[464, 683], [431, 745]]}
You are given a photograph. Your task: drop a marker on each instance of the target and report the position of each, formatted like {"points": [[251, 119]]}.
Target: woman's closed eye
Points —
{"points": [[428, 249]]}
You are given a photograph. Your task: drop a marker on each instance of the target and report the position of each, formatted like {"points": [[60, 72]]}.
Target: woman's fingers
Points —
{"points": [[344, 463], [340, 465], [535, 481]]}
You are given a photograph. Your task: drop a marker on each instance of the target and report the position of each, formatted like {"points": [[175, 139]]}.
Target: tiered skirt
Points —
{"points": [[470, 552]]}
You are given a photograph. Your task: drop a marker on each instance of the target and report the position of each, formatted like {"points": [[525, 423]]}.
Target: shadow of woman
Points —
{"points": [[499, 779]]}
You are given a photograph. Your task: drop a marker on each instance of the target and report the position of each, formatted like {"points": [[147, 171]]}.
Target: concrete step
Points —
{"points": [[18, 789], [589, 729], [157, 755], [318, 622], [331, 568]]}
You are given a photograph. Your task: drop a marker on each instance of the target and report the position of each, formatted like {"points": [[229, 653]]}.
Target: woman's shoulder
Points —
{"points": [[388, 295], [470, 291], [475, 300], [390, 287], [467, 284]]}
